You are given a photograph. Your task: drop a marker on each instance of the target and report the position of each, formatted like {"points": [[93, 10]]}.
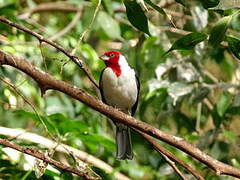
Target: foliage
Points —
{"points": [[192, 91]]}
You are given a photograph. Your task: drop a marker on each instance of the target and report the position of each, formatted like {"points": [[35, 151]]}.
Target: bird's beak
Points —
{"points": [[104, 57]]}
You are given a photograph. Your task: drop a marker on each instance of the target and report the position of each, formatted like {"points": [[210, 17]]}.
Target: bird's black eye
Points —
{"points": [[111, 55]]}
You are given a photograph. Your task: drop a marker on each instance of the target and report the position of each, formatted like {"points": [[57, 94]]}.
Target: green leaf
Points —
{"points": [[66, 175], [160, 94], [223, 103], [217, 33], [60, 121], [228, 67], [182, 2], [110, 26], [178, 89], [209, 3], [107, 4], [93, 140], [235, 23], [234, 45], [136, 16], [154, 6], [230, 135], [6, 3], [37, 118], [188, 41], [216, 118]]}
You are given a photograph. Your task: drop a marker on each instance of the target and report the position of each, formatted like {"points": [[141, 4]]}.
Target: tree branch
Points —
{"points": [[164, 152], [173, 165], [75, 59], [81, 155], [68, 28], [54, 6], [46, 159], [46, 81]]}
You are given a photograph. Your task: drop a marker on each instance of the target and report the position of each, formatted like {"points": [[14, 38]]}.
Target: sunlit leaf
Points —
{"points": [[223, 103], [109, 25], [136, 16], [60, 121], [228, 67], [235, 23], [108, 6], [38, 118], [178, 89], [6, 3], [94, 140], [200, 17], [230, 135], [159, 94], [188, 41], [227, 4], [218, 31]]}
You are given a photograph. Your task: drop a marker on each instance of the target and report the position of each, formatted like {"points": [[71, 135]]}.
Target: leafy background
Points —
{"points": [[187, 60]]}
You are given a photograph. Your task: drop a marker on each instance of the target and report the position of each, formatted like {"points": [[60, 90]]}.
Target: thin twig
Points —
{"points": [[88, 28], [210, 76], [207, 102], [177, 14], [174, 30], [198, 120], [173, 165], [23, 135], [45, 158], [29, 103], [36, 112], [52, 6], [67, 28], [171, 157], [166, 3], [75, 59]]}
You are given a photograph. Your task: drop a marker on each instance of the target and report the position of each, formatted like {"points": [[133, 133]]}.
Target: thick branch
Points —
{"points": [[49, 82], [83, 156], [45, 158]]}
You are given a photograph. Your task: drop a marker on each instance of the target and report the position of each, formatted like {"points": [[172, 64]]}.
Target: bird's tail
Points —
{"points": [[123, 141]]}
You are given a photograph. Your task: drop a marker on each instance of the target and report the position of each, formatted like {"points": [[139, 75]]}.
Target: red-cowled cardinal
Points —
{"points": [[119, 88]]}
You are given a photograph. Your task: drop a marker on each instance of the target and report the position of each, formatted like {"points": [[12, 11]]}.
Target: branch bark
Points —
{"points": [[51, 6], [81, 155], [46, 159], [46, 81], [41, 39], [164, 152]]}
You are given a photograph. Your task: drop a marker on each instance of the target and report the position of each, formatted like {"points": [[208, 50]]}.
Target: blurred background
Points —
{"points": [[191, 92]]}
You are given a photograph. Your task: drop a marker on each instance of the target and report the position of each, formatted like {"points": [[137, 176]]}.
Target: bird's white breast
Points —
{"points": [[120, 92]]}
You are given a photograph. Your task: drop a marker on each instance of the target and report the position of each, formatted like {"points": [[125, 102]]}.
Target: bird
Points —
{"points": [[119, 87]]}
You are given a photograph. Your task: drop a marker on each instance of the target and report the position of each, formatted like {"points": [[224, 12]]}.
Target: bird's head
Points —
{"points": [[111, 60], [110, 57]]}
